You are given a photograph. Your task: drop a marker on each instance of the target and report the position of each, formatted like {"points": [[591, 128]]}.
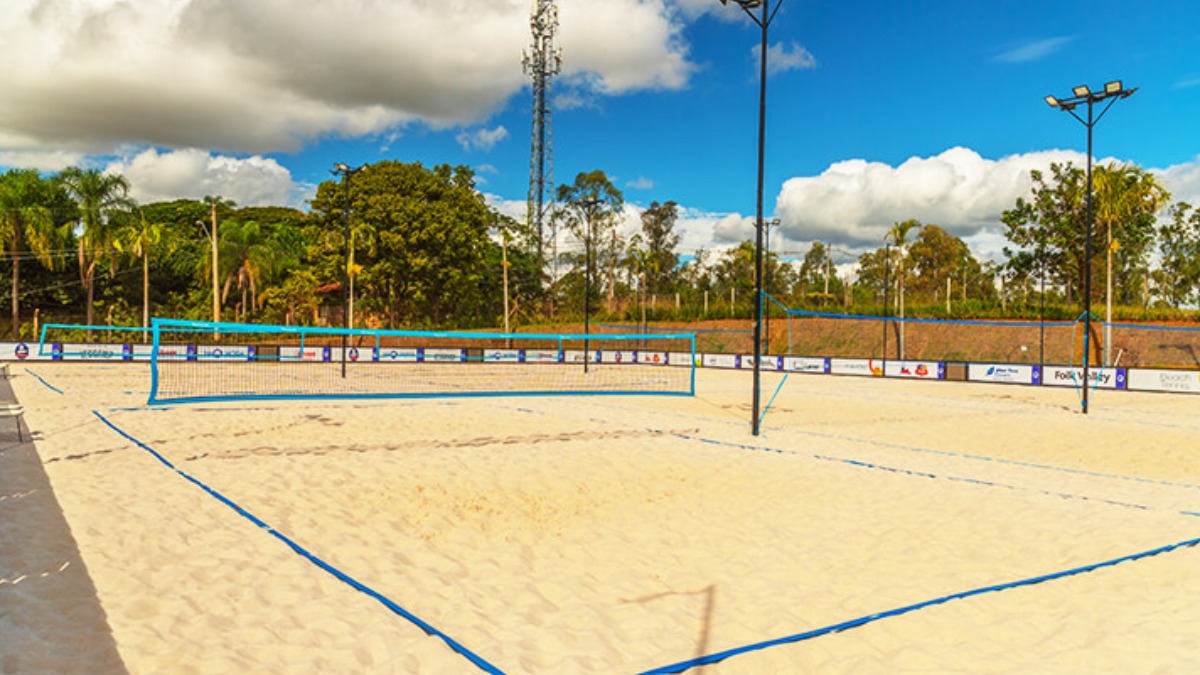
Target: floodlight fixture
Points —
{"points": [[1081, 90], [1113, 88], [1052, 101]]}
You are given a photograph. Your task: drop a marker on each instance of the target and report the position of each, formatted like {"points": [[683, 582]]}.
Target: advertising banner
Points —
{"points": [[919, 370], [85, 351], [1183, 381], [1004, 373], [576, 356], [445, 355], [802, 364], [503, 355], [858, 367], [720, 360], [768, 362], [223, 353], [1104, 378], [653, 358], [682, 359], [303, 354], [22, 351], [165, 352], [543, 356], [397, 355]]}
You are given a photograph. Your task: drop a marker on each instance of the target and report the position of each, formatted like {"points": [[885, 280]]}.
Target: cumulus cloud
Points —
{"points": [[252, 181], [855, 201], [783, 57], [482, 139], [1183, 181], [91, 75]]}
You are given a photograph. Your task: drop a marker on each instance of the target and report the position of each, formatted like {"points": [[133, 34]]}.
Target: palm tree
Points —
{"points": [[26, 221], [138, 238], [252, 257], [99, 197], [215, 203], [1127, 197], [898, 233]]}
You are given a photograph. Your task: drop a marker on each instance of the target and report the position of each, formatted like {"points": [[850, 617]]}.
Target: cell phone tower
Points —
{"points": [[542, 61]]}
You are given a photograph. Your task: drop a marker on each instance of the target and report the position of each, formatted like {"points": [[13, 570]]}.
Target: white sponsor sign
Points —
{"points": [[860, 367], [719, 360], [804, 364], [654, 358], [88, 351], [165, 352], [22, 351], [444, 355], [396, 354], [222, 353], [767, 363], [502, 355], [683, 359], [1187, 381], [576, 356], [1104, 378], [541, 356], [1003, 373], [614, 356], [918, 370], [287, 354]]}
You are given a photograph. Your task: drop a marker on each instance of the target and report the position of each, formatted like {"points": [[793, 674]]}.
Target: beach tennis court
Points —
{"points": [[876, 526]]}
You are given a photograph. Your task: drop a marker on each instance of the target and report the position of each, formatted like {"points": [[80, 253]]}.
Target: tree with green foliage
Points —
{"points": [[590, 208], [1179, 247], [27, 226], [658, 242], [431, 229], [138, 236], [1052, 224], [99, 197]]}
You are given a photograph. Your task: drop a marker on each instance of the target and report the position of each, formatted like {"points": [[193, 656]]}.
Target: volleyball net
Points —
{"points": [[194, 361]]}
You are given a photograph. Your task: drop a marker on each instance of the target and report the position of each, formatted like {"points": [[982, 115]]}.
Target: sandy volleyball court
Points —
{"points": [[599, 534]]}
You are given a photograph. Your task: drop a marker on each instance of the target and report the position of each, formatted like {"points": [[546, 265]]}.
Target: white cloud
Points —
{"points": [[1034, 50], [855, 201], [87, 76], [642, 183], [482, 139], [1183, 181], [192, 174], [784, 57]]}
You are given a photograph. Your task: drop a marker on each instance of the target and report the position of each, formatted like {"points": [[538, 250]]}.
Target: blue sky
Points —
{"points": [[878, 111]]}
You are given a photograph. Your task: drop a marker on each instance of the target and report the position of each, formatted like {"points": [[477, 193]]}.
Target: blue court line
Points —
{"points": [[870, 618], [335, 572], [999, 460], [43, 381], [920, 474]]}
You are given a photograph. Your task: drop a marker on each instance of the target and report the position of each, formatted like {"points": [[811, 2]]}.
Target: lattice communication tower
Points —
{"points": [[542, 61]]}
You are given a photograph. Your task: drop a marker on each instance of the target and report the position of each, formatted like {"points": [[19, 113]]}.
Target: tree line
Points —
{"points": [[404, 245]]}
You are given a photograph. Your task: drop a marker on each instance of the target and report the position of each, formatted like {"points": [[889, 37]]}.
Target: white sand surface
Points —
{"points": [[615, 534]]}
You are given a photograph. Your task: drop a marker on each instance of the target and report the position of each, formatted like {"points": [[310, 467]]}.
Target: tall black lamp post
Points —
{"points": [[1083, 95], [763, 19], [588, 207], [346, 173]]}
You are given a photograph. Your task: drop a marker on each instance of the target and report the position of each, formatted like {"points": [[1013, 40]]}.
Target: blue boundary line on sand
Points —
{"points": [[933, 476], [43, 381], [871, 618], [297, 548]]}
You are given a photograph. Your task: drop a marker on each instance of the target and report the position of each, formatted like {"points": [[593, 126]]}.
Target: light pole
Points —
{"points": [[887, 265], [1083, 95], [347, 173], [587, 206], [774, 222], [764, 21]]}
